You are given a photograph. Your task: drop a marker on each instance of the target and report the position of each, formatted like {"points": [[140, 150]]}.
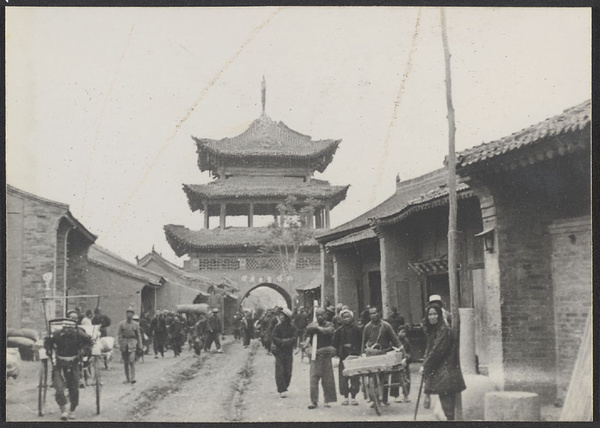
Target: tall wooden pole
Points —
{"points": [[452, 263]]}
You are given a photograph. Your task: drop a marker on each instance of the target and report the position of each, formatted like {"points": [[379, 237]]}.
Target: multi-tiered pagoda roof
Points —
{"points": [[265, 142], [254, 173]]}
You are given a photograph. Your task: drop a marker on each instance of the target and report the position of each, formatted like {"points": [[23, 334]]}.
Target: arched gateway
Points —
{"points": [[282, 291]]}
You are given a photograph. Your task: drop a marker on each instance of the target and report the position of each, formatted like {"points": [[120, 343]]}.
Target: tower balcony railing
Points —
{"points": [[250, 263]]}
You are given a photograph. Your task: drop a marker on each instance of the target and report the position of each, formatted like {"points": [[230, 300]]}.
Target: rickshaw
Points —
{"points": [[376, 373], [89, 364]]}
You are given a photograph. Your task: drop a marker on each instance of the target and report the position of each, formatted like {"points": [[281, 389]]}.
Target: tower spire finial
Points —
{"points": [[264, 94]]}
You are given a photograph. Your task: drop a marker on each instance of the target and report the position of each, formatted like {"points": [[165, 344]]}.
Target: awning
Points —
{"points": [[314, 284], [431, 266]]}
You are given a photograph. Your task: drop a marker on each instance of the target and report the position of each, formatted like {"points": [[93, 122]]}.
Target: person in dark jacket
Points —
{"points": [[347, 340], [177, 334], [441, 366], [199, 333], [321, 367], [213, 331], [158, 330], [405, 374], [68, 345], [284, 338], [247, 325]]}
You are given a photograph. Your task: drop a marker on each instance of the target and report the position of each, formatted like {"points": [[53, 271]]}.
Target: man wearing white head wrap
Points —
{"points": [[347, 341]]}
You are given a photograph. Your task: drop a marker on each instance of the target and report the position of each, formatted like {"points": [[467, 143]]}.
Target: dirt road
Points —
{"points": [[235, 386]]}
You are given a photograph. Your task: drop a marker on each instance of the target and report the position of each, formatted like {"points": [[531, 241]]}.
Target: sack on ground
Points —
{"points": [[19, 342], [23, 332]]}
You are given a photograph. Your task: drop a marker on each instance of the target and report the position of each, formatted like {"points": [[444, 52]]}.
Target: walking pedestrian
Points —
{"points": [[67, 344], [129, 339], [102, 320], [177, 335], [213, 331], [321, 367], [158, 330], [87, 319], [405, 374], [300, 322], [347, 340], [284, 338], [441, 366], [247, 328], [200, 333], [378, 338]]}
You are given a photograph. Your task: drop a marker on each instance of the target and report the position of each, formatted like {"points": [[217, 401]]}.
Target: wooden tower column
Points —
{"points": [[206, 217], [222, 216], [251, 215]]}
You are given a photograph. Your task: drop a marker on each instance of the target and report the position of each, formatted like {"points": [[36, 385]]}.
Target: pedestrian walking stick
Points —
{"points": [[419, 397], [313, 351]]}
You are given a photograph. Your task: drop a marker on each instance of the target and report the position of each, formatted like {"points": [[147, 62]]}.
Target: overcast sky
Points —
{"points": [[102, 102]]}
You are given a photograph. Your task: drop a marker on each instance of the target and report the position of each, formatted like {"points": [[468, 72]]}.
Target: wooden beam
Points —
{"points": [[251, 215]]}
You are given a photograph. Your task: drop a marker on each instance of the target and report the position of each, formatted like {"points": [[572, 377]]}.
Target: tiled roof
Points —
{"points": [[194, 279], [363, 235], [429, 199], [572, 119], [105, 258], [275, 187], [265, 137], [405, 192], [184, 240]]}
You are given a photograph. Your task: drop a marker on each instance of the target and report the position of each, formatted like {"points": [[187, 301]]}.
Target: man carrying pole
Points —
{"points": [[321, 332]]}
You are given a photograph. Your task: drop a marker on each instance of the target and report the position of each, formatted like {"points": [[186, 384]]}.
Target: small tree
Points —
{"points": [[291, 232]]}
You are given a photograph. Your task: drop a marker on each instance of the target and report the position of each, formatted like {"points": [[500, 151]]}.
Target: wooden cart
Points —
{"points": [[376, 373]]}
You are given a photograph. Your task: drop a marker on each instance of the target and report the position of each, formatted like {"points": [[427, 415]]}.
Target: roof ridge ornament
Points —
{"points": [[264, 94]]}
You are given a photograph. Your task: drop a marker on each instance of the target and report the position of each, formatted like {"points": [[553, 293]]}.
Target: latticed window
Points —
{"points": [[218, 264], [308, 263], [270, 263]]}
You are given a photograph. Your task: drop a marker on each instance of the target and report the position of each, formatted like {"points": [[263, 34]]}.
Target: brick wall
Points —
{"points": [[571, 274], [528, 334], [117, 292], [37, 246]]}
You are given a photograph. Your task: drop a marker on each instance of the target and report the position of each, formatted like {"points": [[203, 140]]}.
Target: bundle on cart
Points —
{"points": [[378, 363], [196, 308]]}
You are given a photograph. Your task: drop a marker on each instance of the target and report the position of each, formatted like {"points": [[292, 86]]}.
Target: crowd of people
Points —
{"points": [[335, 331]]}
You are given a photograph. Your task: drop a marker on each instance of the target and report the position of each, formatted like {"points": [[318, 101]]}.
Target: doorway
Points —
{"points": [[374, 281]]}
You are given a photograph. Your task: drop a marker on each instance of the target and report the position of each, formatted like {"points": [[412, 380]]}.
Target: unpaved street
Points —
{"points": [[236, 386]]}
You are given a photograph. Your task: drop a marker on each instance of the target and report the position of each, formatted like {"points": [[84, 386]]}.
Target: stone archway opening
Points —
{"points": [[266, 295]]}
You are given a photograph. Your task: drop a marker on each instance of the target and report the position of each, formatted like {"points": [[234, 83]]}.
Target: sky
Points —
{"points": [[102, 103]]}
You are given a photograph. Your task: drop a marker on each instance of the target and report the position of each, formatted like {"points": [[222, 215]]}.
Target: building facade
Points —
{"points": [[46, 250], [534, 187]]}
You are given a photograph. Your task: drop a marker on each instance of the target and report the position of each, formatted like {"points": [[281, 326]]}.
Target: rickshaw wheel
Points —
{"points": [[42, 387], [97, 382]]}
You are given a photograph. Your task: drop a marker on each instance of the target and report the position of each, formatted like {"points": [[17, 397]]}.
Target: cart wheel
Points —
{"points": [[42, 387], [97, 382], [373, 388]]}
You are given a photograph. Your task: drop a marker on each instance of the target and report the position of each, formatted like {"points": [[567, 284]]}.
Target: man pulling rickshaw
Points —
{"points": [[68, 344]]}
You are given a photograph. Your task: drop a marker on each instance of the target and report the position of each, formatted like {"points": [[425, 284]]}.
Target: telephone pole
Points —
{"points": [[452, 263]]}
